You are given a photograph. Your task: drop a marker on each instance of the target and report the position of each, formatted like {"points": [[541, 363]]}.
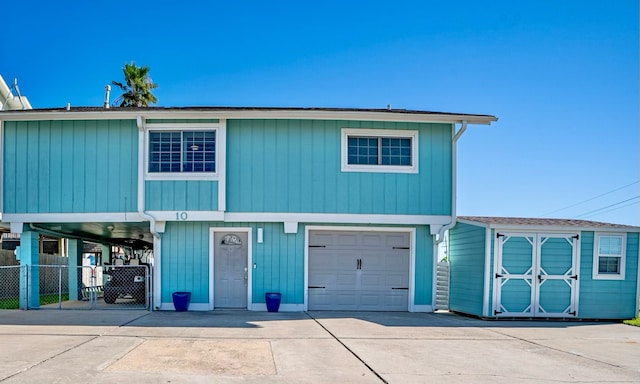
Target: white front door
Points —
{"points": [[230, 269], [536, 275]]}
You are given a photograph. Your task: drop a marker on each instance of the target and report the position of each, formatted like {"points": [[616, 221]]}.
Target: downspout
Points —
{"points": [[155, 299], [454, 186], [141, 185]]}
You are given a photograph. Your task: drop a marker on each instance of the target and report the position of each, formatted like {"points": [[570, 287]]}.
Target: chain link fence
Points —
{"points": [[83, 287], [10, 286]]}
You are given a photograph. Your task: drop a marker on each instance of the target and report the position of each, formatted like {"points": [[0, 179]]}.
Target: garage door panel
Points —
{"points": [[365, 269]]}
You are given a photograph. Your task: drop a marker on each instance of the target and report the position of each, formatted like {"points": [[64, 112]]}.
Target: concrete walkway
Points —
{"points": [[114, 346]]}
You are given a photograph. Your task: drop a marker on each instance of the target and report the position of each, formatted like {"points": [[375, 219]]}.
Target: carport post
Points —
{"points": [[29, 259], [76, 247], [106, 259]]}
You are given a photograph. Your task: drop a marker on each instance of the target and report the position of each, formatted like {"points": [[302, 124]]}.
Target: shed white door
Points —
{"points": [[536, 275], [358, 271]]}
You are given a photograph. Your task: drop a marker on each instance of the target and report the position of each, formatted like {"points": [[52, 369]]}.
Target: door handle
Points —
{"points": [[246, 276]]}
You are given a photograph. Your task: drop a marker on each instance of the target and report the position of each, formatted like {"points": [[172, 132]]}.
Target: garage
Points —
{"points": [[358, 270]]}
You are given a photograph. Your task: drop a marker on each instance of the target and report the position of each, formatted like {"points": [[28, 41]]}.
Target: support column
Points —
{"points": [[30, 273], [76, 247], [106, 259]]}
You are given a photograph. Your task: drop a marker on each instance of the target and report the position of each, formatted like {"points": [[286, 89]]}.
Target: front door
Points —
{"points": [[230, 270], [536, 275]]}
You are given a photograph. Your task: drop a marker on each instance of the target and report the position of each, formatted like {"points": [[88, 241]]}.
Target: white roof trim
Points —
{"points": [[304, 114]]}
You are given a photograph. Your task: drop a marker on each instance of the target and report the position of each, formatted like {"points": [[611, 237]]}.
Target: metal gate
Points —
{"points": [[85, 287], [536, 275]]}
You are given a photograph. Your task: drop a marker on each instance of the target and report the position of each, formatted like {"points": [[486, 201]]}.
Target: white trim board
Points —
{"points": [[276, 113], [412, 255], [97, 217], [335, 218], [240, 217]]}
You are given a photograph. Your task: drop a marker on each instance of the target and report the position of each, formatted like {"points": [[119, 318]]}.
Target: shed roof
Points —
{"points": [[543, 222]]}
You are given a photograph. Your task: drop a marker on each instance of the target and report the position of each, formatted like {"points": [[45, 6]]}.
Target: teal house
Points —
{"points": [[335, 209], [543, 268]]}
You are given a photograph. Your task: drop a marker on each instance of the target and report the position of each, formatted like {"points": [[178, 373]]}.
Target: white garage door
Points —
{"points": [[367, 271]]}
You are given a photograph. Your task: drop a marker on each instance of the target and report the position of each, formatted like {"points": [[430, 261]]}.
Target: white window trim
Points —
{"points": [[596, 257], [344, 151], [216, 127]]}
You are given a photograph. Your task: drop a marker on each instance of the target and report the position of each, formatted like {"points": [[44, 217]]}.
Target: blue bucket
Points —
{"points": [[181, 301], [273, 301]]}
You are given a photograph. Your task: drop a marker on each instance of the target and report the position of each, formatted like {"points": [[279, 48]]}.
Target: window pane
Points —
{"points": [[164, 151], [610, 245], [362, 150], [609, 265], [396, 151]]}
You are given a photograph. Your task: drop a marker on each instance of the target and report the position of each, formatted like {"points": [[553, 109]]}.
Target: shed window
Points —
{"points": [[378, 150], [182, 151], [609, 256]]}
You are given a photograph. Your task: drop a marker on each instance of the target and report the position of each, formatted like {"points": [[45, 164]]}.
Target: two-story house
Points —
{"points": [[336, 209]]}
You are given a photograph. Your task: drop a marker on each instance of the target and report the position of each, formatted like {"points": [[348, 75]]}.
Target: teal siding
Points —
{"points": [[294, 166], [70, 166], [182, 195], [279, 262], [424, 267], [607, 299], [185, 260], [467, 260]]}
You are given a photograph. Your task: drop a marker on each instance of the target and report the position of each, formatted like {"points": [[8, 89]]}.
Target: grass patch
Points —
{"points": [[635, 322], [14, 302]]}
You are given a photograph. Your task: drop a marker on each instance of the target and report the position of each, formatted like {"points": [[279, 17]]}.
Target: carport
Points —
{"points": [[126, 249]]}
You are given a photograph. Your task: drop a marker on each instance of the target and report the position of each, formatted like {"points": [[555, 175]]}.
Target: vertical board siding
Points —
{"points": [[423, 294], [466, 258], [294, 166], [70, 166], [279, 262], [607, 299], [181, 195]]}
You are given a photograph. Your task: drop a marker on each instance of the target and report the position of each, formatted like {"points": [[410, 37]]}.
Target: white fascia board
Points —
{"points": [[262, 217], [187, 215], [98, 217], [337, 218], [253, 114]]}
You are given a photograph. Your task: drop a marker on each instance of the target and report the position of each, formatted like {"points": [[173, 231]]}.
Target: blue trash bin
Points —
{"points": [[181, 301], [273, 301]]}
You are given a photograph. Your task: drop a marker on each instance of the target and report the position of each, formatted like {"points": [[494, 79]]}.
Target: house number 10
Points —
{"points": [[181, 215]]}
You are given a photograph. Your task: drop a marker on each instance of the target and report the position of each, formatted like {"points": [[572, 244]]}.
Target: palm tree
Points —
{"points": [[136, 90]]}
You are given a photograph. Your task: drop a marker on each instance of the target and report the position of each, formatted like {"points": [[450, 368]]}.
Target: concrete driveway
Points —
{"points": [[316, 347]]}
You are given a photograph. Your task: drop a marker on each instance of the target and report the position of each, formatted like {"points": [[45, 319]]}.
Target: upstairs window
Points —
{"points": [[609, 256], [182, 151], [368, 150]]}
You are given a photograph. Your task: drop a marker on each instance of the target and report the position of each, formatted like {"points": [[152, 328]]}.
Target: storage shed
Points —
{"points": [[543, 268]]}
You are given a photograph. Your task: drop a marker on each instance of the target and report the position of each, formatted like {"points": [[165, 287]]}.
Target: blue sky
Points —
{"points": [[561, 76]]}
